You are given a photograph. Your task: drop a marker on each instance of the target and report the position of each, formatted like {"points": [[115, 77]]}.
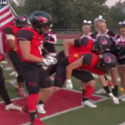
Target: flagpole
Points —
{"points": [[15, 14]]}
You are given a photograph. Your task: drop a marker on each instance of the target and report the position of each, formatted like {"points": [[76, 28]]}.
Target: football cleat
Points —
{"points": [[13, 107], [40, 109], [89, 104]]}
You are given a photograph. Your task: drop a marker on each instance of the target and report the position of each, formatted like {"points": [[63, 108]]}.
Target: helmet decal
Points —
{"points": [[104, 41], [42, 19], [22, 18], [107, 59]]}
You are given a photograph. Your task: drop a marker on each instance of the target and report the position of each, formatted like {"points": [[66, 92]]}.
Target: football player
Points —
{"points": [[11, 36], [29, 50]]}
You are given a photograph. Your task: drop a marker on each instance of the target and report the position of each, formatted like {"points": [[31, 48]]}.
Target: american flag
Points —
{"points": [[6, 18]]}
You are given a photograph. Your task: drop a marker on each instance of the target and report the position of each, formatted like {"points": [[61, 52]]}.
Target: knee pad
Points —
{"points": [[33, 88], [20, 79], [46, 83]]}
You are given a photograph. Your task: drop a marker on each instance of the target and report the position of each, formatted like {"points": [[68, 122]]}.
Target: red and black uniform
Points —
{"points": [[90, 61], [59, 69], [13, 31], [32, 72], [12, 52], [82, 45], [3, 91], [50, 40]]}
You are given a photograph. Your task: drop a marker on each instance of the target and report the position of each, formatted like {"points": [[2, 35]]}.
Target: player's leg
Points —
{"points": [[47, 90], [4, 94], [18, 65], [115, 82], [32, 84], [9, 63], [50, 70], [88, 86], [60, 74]]}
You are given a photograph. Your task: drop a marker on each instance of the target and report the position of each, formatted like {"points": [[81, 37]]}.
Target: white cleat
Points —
{"points": [[13, 73], [89, 104], [8, 68], [14, 83], [12, 107], [69, 86], [40, 109], [100, 91]]}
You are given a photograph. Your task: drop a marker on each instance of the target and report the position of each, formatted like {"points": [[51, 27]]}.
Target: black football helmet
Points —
{"points": [[21, 21], [107, 61], [41, 21], [103, 44]]}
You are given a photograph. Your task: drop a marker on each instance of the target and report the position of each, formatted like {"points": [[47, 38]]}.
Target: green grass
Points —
{"points": [[106, 113]]}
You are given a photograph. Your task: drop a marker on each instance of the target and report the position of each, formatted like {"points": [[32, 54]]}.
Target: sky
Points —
{"points": [[112, 2]]}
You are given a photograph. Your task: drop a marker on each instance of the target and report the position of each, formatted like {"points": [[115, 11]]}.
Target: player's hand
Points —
{"points": [[52, 59], [45, 62], [68, 84], [114, 99]]}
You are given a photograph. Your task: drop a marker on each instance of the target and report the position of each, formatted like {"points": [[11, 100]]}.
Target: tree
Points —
{"points": [[67, 13], [117, 16]]}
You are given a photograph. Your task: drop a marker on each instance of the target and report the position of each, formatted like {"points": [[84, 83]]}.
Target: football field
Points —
{"points": [[64, 108]]}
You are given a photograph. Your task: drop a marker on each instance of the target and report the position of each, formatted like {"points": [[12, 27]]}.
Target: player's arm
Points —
{"points": [[67, 44], [10, 37], [103, 80], [24, 38], [74, 42], [108, 90], [69, 69], [26, 49]]}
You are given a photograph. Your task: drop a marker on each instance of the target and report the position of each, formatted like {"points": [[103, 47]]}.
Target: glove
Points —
{"points": [[52, 59], [46, 62], [68, 84], [114, 99]]}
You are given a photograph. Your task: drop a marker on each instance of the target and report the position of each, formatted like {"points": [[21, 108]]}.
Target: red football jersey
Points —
{"points": [[89, 63], [11, 30], [36, 40], [83, 48]]}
